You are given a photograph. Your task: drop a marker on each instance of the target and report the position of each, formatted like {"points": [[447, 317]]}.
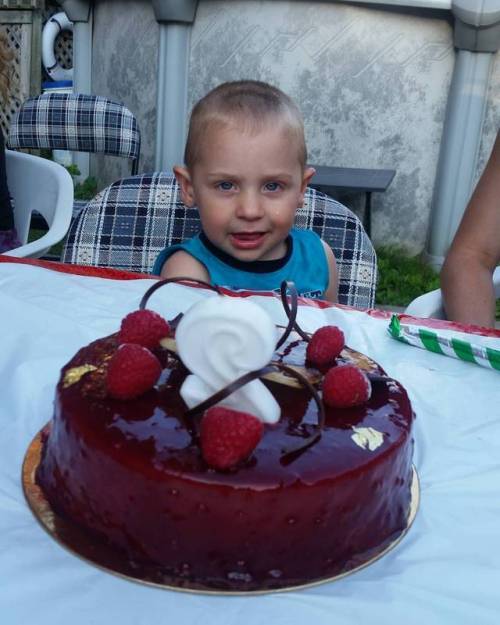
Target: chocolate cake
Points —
{"points": [[319, 494]]}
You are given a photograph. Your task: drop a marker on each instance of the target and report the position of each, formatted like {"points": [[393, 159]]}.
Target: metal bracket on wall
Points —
{"points": [[477, 25], [76, 10], [175, 10]]}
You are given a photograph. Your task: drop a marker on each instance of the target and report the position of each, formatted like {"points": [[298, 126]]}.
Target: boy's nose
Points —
{"points": [[249, 206]]}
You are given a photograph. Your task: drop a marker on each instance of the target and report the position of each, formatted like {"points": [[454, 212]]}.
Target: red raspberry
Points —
{"points": [[143, 327], [345, 386], [228, 436], [325, 345], [132, 370]]}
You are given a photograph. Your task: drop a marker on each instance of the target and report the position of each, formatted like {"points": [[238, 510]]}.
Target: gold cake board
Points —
{"points": [[105, 557]]}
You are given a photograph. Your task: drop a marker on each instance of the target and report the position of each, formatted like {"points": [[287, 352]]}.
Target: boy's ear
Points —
{"points": [[306, 179], [184, 180]]}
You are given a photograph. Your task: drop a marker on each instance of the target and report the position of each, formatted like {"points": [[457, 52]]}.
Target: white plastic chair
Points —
{"points": [[431, 304], [38, 184]]}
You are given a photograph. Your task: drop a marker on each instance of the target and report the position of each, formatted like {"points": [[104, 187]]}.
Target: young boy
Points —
{"points": [[245, 170]]}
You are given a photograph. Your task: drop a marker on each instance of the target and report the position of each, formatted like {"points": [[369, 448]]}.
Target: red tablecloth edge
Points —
{"points": [[120, 274], [79, 270]]}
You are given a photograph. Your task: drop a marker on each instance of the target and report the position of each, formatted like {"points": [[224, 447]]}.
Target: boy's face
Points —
{"points": [[247, 188]]}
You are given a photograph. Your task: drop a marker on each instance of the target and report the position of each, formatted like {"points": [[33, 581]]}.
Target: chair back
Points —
{"points": [[36, 183], [343, 231], [127, 225], [76, 122]]}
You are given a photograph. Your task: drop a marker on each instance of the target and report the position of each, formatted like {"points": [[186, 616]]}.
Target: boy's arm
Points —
{"points": [[331, 292], [466, 277], [182, 264]]}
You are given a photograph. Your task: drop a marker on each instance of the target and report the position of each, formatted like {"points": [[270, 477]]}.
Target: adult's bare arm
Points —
{"points": [[466, 276]]}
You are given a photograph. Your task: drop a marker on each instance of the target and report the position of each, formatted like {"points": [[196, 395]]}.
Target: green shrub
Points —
{"points": [[402, 278], [83, 190], [86, 190]]}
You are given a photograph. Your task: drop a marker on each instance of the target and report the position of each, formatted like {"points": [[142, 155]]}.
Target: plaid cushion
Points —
{"points": [[354, 253], [127, 224], [82, 123], [78, 206]]}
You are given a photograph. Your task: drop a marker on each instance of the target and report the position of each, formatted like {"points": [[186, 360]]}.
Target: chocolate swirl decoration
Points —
{"points": [[179, 280], [291, 312], [289, 454], [286, 286]]}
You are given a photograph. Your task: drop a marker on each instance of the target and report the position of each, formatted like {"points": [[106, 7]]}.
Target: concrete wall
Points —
{"points": [[124, 68], [372, 84]]}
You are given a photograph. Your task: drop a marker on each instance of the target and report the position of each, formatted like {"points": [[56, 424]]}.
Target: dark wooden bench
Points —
{"points": [[338, 181]]}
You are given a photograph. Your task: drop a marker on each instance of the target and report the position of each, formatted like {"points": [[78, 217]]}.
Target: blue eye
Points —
{"points": [[225, 185], [272, 186]]}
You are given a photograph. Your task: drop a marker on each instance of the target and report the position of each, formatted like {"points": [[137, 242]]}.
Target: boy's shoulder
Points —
{"points": [[304, 235]]}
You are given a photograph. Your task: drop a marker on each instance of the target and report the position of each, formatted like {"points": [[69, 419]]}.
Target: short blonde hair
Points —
{"points": [[250, 104]]}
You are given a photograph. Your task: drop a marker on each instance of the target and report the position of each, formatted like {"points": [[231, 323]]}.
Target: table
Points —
{"points": [[340, 180], [445, 570]]}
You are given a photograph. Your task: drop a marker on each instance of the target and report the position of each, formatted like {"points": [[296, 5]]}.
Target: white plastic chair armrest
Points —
{"points": [[37, 248], [56, 232], [427, 305], [48, 187], [496, 282]]}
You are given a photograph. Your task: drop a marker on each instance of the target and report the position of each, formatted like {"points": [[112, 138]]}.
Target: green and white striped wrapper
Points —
{"points": [[467, 347]]}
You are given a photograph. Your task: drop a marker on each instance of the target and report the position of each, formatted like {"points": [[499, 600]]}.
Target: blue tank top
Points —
{"points": [[305, 263]]}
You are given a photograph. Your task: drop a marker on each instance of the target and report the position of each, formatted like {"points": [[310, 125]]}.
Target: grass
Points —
{"points": [[85, 190], [402, 278]]}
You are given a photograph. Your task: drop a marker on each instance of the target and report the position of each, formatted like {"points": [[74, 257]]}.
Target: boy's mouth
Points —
{"points": [[247, 240]]}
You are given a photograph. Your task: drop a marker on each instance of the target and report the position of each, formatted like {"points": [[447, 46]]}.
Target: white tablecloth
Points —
{"points": [[445, 570]]}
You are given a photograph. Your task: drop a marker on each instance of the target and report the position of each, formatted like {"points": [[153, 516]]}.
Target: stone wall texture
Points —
{"points": [[372, 84]]}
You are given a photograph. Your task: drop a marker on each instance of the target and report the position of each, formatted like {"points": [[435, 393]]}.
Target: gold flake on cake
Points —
{"points": [[75, 374], [169, 343], [367, 438], [282, 377], [360, 360]]}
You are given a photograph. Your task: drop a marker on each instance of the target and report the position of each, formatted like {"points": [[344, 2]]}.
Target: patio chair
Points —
{"points": [[127, 224], [79, 123], [431, 304], [36, 183]]}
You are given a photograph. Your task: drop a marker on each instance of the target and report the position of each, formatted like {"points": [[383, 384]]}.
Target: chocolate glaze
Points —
{"points": [[133, 473]]}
